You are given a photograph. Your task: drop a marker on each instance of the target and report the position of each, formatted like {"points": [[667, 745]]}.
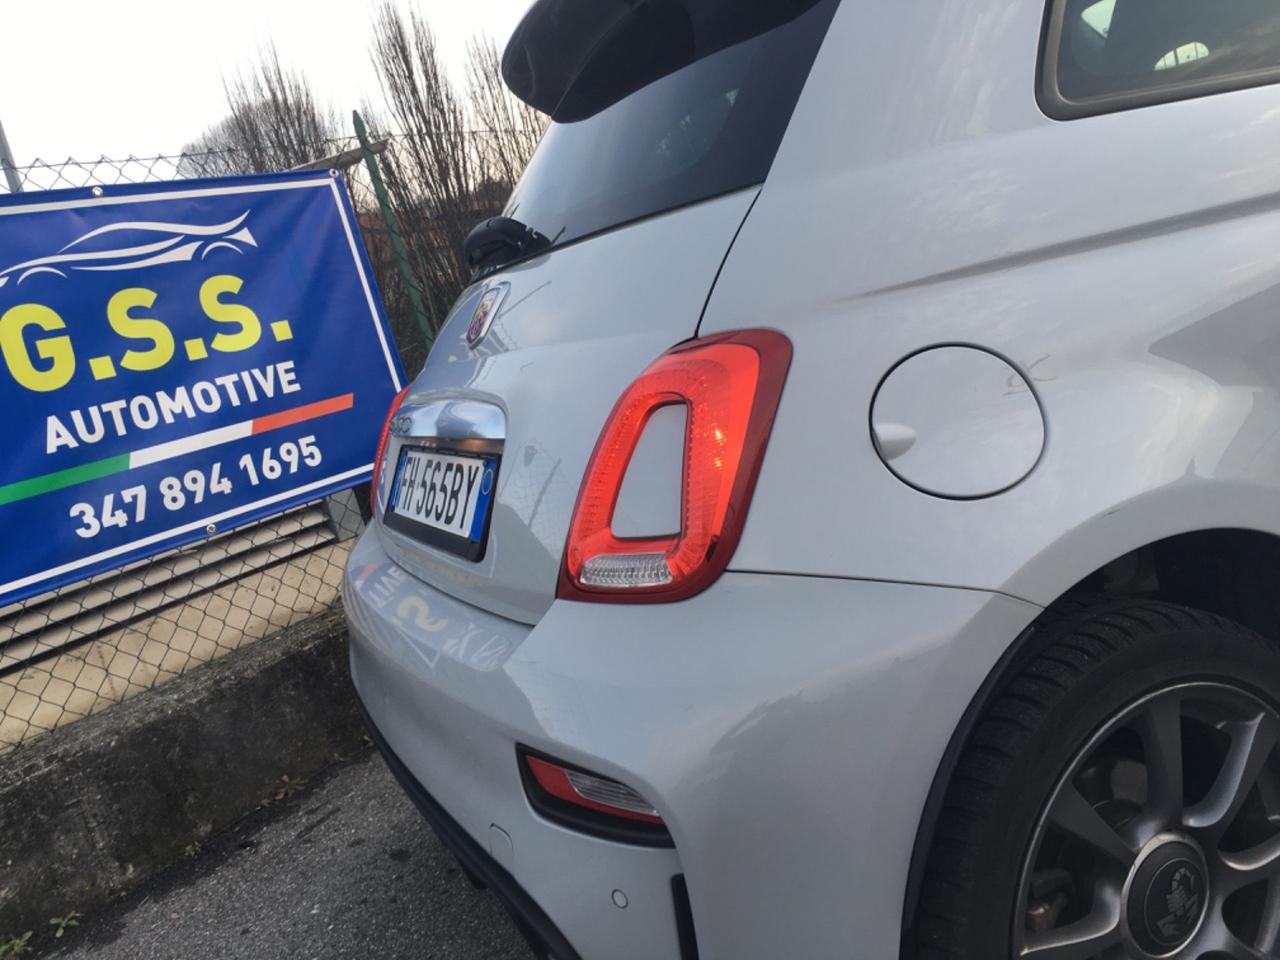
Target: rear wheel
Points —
{"points": [[1120, 797]]}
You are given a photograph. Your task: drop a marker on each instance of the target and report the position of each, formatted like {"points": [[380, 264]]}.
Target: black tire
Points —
{"points": [[1027, 760]]}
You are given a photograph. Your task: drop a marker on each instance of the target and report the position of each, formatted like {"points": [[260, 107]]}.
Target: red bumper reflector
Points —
{"points": [[590, 791]]}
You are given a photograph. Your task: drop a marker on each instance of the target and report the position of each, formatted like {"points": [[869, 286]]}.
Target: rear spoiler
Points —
{"points": [[573, 58]]}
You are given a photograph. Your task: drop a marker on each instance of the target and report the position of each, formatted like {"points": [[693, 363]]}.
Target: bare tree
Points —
{"points": [[215, 153], [275, 123], [433, 171], [459, 151], [456, 150], [508, 128], [276, 118]]}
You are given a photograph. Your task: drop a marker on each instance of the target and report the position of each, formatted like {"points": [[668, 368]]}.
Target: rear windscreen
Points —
{"points": [[707, 128]]}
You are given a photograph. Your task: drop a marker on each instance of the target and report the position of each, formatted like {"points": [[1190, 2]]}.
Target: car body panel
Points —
{"points": [[725, 729], [1127, 264], [433, 674], [575, 328]]}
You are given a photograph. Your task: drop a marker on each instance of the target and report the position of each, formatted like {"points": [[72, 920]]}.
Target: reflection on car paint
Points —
{"points": [[431, 633]]}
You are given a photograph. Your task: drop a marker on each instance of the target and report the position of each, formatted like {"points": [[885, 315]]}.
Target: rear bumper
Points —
{"points": [[787, 729], [534, 924]]}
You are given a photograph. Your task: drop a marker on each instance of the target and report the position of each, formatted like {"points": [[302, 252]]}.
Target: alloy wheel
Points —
{"points": [[1162, 840]]}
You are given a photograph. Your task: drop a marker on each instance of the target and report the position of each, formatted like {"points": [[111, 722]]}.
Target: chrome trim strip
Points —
{"points": [[450, 420]]}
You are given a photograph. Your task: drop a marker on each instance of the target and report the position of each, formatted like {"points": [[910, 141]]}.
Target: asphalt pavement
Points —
{"points": [[345, 868]]}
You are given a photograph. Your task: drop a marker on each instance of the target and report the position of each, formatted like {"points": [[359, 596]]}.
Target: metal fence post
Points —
{"points": [[425, 321], [6, 161]]}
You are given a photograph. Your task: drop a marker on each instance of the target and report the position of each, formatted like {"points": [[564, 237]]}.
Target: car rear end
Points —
{"points": [[598, 718], [440, 621]]}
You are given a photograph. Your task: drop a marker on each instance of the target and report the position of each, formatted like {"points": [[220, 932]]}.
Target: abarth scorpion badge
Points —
{"points": [[486, 310]]}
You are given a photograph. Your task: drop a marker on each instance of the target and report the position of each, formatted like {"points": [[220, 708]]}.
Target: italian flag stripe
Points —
{"points": [[287, 418], [61, 479]]}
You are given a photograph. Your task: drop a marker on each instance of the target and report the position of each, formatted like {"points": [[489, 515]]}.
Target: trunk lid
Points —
{"points": [[666, 121], [574, 329]]}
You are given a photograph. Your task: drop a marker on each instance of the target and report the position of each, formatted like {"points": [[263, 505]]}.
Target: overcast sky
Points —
{"points": [[87, 78]]}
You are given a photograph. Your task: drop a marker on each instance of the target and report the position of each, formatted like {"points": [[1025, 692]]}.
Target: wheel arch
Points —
{"points": [[1220, 570]]}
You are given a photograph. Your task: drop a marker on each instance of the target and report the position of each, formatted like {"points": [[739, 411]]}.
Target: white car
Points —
{"points": [[843, 518]]}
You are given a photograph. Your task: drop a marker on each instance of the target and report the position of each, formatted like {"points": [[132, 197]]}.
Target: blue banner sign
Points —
{"points": [[177, 360]]}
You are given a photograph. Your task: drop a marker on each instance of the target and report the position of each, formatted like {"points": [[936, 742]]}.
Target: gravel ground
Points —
{"points": [[346, 868]]}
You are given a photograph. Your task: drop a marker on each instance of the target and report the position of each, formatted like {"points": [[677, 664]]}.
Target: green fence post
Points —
{"points": [[425, 320]]}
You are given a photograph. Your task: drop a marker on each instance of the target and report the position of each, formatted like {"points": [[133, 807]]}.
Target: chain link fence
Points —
{"points": [[344, 153], [78, 649], [70, 173]]}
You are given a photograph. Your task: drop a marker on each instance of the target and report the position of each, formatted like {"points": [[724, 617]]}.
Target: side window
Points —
{"points": [[1105, 55]]}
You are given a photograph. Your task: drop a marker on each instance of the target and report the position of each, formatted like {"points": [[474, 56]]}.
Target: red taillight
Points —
{"points": [[374, 493], [590, 791], [730, 385]]}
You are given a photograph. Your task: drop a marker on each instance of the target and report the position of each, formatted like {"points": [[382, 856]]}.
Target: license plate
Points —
{"points": [[443, 498]]}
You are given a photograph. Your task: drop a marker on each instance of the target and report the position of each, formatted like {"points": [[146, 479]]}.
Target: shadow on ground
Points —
{"points": [[345, 868]]}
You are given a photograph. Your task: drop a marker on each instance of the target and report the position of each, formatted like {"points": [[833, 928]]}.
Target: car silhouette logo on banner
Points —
{"points": [[137, 244], [485, 312]]}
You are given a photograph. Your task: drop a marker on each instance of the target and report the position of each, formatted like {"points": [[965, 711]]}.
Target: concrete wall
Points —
{"points": [[94, 808]]}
